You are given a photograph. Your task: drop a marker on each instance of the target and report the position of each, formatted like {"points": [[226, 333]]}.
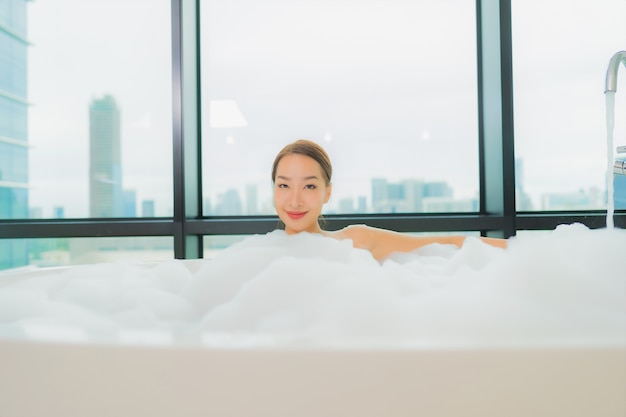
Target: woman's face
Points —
{"points": [[300, 192]]}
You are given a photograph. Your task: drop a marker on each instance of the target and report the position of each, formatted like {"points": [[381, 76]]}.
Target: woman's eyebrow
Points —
{"points": [[310, 177]]}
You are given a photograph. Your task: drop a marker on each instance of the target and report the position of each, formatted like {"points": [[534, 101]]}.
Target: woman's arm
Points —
{"points": [[382, 242]]}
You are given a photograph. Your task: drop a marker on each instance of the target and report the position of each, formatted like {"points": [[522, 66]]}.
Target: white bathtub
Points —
{"points": [[52, 379], [48, 378]]}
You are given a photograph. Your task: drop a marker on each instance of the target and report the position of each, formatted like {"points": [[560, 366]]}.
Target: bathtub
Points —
{"points": [[65, 380], [151, 376]]}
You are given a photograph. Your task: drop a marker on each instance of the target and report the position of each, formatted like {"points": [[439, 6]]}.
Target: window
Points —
{"points": [[561, 50], [388, 88], [99, 127], [374, 81]]}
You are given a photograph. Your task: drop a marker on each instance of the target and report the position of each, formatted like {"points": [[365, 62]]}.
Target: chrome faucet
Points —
{"points": [[611, 72], [619, 167]]}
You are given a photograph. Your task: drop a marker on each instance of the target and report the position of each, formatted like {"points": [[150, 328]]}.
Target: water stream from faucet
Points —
{"points": [[610, 124]]}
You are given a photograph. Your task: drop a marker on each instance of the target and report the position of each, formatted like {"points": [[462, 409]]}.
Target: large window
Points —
{"points": [[100, 124], [561, 50], [388, 88], [146, 129]]}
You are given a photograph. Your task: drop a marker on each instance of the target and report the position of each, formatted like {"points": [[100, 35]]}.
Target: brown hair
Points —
{"points": [[310, 149]]}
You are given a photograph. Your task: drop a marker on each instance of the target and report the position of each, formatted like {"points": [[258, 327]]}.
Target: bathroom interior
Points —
{"points": [[136, 205]]}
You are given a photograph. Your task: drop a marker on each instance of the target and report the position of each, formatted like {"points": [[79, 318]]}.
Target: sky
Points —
{"points": [[388, 87]]}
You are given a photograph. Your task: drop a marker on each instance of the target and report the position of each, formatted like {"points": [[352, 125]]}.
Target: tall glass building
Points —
{"points": [[13, 126], [106, 197]]}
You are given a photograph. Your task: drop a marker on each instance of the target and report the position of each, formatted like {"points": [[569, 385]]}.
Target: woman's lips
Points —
{"points": [[295, 215]]}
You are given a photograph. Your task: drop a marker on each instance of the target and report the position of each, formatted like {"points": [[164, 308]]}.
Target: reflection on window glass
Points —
{"points": [[388, 88], [98, 77], [51, 252], [561, 50]]}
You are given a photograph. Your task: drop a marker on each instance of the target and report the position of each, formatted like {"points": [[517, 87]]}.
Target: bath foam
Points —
{"points": [[567, 286]]}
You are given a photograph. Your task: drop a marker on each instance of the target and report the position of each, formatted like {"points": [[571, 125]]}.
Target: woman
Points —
{"points": [[301, 175]]}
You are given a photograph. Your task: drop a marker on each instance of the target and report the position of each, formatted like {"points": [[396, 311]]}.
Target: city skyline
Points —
{"points": [[108, 198]]}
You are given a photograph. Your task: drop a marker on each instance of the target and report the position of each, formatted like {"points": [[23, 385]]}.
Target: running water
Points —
{"points": [[610, 124]]}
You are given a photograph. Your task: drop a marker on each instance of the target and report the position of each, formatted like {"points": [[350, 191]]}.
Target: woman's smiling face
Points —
{"points": [[300, 192]]}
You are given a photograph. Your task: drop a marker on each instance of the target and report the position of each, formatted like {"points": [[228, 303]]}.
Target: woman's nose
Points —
{"points": [[296, 200]]}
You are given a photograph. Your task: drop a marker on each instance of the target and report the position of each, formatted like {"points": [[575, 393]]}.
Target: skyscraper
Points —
{"points": [[251, 199], [229, 203], [147, 208], [106, 198], [13, 127], [130, 203]]}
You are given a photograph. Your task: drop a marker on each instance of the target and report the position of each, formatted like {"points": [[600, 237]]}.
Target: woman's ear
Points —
{"points": [[329, 189]]}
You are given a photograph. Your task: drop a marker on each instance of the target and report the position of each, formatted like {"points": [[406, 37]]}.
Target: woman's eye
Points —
{"points": [[282, 185], [310, 187]]}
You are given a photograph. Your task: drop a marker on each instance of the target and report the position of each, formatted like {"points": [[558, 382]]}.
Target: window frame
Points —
{"points": [[497, 216]]}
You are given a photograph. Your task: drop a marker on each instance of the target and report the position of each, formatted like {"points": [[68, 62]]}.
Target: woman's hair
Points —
{"points": [[310, 149]]}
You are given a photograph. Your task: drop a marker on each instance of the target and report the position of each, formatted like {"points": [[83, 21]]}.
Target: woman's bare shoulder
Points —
{"points": [[353, 231], [359, 234]]}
